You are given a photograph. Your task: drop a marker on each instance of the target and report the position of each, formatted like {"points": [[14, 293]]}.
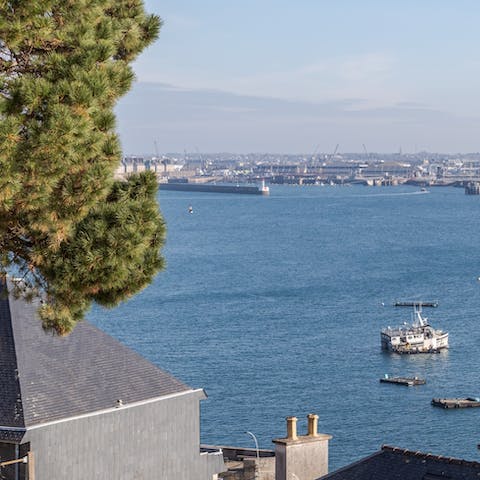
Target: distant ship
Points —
{"points": [[417, 337], [185, 186]]}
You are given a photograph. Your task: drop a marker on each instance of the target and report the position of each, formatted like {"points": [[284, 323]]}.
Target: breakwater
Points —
{"points": [[203, 187]]}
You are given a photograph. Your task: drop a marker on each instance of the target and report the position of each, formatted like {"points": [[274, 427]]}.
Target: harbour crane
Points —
{"points": [[365, 150], [335, 151], [203, 163]]}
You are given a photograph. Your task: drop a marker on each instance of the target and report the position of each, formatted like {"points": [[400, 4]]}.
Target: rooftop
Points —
{"points": [[47, 378]]}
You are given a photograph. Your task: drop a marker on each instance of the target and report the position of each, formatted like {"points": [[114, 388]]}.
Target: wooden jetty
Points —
{"points": [[468, 402], [407, 381], [416, 304]]}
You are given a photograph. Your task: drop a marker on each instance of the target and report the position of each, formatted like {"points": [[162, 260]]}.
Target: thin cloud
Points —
{"points": [[370, 67], [222, 121], [369, 76]]}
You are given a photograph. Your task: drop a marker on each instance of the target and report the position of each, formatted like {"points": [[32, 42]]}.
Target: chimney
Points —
{"points": [[292, 428], [301, 457], [312, 425]]}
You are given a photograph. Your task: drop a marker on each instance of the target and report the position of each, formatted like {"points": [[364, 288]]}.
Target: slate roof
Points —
{"points": [[44, 377], [392, 463], [11, 412]]}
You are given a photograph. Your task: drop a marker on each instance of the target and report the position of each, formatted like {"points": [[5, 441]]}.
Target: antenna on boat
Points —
{"points": [[417, 310]]}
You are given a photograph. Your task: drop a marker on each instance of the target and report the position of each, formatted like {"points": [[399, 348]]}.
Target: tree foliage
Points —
{"points": [[65, 224]]}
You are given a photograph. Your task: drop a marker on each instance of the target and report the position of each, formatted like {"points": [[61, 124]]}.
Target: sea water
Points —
{"points": [[274, 306]]}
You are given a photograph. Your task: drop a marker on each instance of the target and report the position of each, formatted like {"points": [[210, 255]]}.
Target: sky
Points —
{"points": [[285, 76]]}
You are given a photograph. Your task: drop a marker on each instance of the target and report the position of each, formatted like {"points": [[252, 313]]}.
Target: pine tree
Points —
{"points": [[65, 224]]}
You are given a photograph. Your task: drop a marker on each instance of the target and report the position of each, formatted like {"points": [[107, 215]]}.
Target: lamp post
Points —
{"points": [[256, 443]]}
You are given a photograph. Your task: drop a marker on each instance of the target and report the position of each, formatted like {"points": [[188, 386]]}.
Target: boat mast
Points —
{"points": [[418, 320], [417, 313]]}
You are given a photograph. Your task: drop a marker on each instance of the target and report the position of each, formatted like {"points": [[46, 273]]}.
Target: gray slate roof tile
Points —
{"points": [[392, 463], [61, 377], [11, 436], [11, 413]]}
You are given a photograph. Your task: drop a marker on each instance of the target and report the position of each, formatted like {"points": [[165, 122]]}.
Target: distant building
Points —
{"points": [[135, 164], [87, 407]]}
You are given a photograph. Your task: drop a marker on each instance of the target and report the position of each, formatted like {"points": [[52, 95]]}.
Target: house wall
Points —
{"points": [[155, 440], [250, 469], [304, 460]]}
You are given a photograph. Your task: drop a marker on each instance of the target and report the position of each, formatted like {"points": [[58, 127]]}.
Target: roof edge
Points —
{"points": [[426, 455], [12, 429], [198, 391], [5, 291]]}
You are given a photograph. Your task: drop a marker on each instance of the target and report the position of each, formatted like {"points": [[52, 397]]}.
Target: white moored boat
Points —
{"points": [[417, 337]]}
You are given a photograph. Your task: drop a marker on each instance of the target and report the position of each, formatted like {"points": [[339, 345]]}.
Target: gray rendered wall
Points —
{"points": [[151, 441]]}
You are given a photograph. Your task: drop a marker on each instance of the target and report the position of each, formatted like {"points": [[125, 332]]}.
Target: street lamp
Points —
{"points": [[256, 443]]}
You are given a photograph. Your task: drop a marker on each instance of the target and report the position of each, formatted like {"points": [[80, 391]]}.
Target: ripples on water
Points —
{"points": [[274, 306]]}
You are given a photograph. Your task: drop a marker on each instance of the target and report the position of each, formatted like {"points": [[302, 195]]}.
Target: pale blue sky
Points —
{"points": [[286, 76]]}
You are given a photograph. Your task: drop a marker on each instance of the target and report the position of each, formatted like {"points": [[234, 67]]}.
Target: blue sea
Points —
{"points": [[274, 306]]}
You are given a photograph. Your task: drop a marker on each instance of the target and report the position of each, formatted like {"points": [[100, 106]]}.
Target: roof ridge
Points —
{"points": [[441, 458]]}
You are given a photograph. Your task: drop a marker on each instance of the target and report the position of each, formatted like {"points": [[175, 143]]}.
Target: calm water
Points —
{"points": [[274, 306]]}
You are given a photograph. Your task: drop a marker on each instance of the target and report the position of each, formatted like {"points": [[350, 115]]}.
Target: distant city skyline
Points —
{"points": [[278, 76]]}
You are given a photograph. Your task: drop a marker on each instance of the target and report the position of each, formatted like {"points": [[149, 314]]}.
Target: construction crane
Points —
{"points": [[203, 163], [335, 151], [366, 152]]}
